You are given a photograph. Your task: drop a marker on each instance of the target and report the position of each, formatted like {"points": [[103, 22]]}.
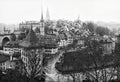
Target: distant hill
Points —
{"points": [[113, 26], [8, 26], [110, 25]]}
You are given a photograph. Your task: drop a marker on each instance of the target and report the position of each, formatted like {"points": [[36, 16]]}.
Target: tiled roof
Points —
{"points": [[47, 37], [31, 40], [61, 36], [67, 34], [50, 37], [50, 44]]}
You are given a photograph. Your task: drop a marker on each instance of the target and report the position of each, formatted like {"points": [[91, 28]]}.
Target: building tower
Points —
{"points": [[42, 32], [47, 15]]}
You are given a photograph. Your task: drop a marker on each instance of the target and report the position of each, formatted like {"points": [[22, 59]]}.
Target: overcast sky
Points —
{"points": [[15, 11]]}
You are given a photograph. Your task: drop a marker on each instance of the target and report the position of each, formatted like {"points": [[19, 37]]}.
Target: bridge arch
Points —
{"points": [[5, 40]]}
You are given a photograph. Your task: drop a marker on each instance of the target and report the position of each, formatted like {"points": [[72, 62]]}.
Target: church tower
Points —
{"points": [[42, 32]]}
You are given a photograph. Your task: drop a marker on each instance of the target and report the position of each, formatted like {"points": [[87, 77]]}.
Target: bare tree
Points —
{"points": [[34, 65], [102, 66]]}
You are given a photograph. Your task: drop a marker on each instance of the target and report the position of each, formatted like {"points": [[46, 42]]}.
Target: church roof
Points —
{"points": [[31, 40], [42, 20]]}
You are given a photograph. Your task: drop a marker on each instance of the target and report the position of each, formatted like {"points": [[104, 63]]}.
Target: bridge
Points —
{"points": [[4, 38]]}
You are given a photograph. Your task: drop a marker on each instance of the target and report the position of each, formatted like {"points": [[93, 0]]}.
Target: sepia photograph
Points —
{"points": [[59, 40]]}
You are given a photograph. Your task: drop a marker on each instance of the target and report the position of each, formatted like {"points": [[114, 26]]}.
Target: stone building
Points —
{"points": [[11, 53], [35, 24]]}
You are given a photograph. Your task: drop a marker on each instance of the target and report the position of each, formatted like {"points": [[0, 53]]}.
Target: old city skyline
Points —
{"points": [[15, 11]]}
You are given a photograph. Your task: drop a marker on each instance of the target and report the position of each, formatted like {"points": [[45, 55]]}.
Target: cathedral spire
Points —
{"points": [[78, 17], [47, 14], [42, 20]]}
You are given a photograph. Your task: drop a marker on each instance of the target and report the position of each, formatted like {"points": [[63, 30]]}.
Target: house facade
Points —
{"points": [[12, 52], [108, 45]]}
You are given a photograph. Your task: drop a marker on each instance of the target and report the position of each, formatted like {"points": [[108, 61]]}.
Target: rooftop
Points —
{"points": [[37, 41], [31, 40]]}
